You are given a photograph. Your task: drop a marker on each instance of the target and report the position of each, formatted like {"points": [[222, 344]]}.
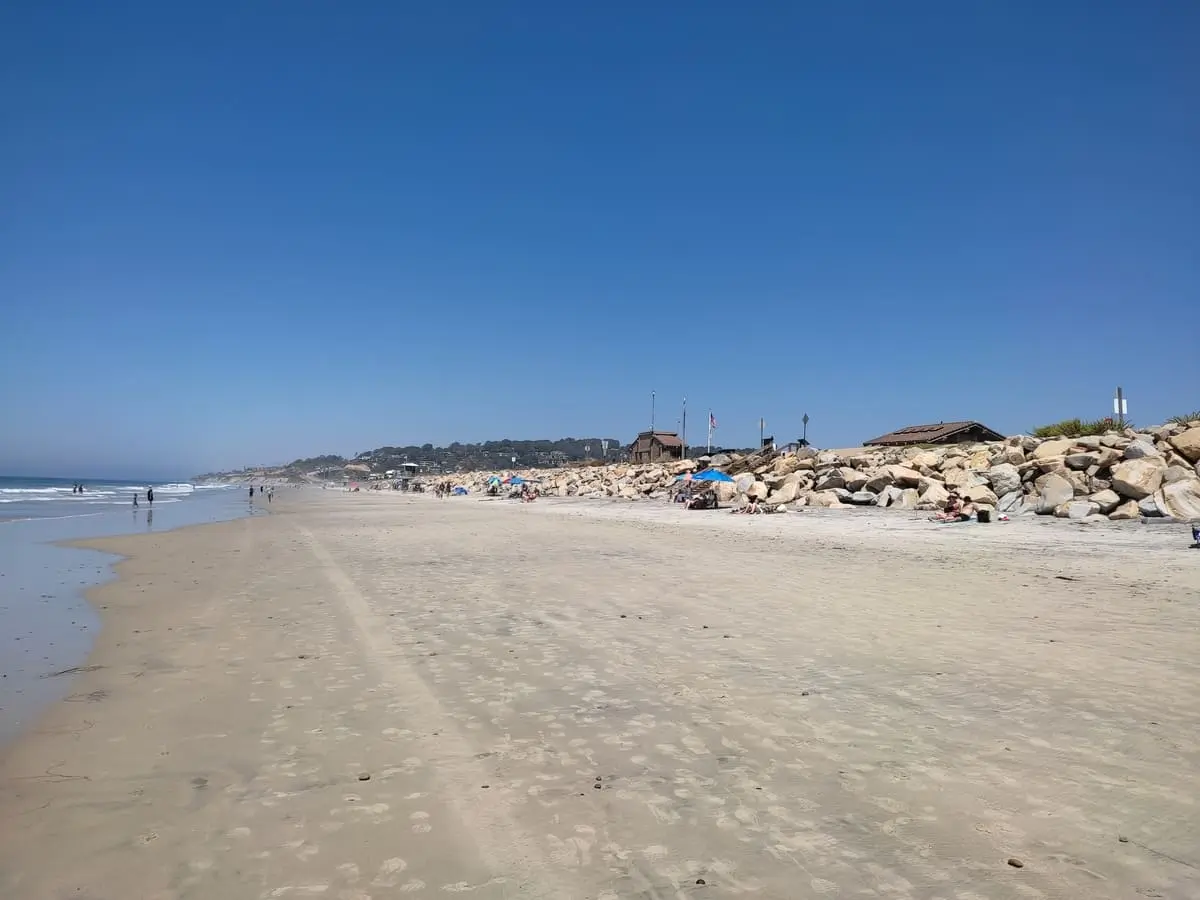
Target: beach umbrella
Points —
{"points": [[712, 475]]}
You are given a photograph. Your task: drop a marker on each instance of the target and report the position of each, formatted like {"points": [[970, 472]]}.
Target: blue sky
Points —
{"points": [[241, 233]]}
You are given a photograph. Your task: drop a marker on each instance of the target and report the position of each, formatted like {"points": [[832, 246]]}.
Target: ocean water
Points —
{"points": [[46, 625]]}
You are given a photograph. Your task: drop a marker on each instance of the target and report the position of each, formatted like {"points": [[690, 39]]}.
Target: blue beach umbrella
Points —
{"points": [[712, 475]]}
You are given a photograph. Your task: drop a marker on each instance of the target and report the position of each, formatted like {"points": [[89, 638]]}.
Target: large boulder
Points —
{"points": [[1179, 499], [1004, 478], [1082, 509], [862, 498], [827, 499], [1053, 491], [785, 493], [1107, 500], [934, 496], [1048, 449], [1141, 450], [828, 481], [1014, 455], [1011, 501], [980, 493], [1126, 511], [1081, 461], [930, 459], [963, 478], [908, 499], [1188, 444], [1177, 473], [879, 480], [903, 476], [1137, 478], [1148, 507], [856, 480], [757, 491]]}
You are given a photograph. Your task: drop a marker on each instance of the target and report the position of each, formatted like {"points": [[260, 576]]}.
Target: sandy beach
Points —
{"points": [[376, 696]]}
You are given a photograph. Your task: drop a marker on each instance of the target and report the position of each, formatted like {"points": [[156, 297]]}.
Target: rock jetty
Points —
{"points": [[1115, 476]]}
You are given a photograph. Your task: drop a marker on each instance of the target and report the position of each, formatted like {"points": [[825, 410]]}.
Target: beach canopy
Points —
{"points": [[460, 491], [712, 475], [514, 479]]}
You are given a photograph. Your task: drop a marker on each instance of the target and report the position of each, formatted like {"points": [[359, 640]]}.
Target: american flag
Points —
{"points": [[712, 421]]}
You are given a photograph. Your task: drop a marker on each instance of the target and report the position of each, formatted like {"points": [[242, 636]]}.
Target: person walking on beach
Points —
{"points": [[135, 496], [270, 495], [150, 496]]}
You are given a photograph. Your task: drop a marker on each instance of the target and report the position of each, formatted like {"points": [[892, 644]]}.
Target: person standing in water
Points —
{"points": [[135, 499], [150, 496], [251, 493]]}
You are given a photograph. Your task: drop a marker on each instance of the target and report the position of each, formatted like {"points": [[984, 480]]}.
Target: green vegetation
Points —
{"points": [[1071, 428], [1193, 416]]}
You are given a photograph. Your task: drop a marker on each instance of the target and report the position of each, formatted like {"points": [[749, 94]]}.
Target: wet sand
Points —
{"points": [[377, 696]]}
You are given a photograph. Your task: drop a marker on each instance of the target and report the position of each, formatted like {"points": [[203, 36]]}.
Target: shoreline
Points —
{"points": [[820, 682], [49, 568]]}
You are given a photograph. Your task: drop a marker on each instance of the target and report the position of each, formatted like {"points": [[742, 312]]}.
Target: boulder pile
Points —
{"points": [[1119, 475]]}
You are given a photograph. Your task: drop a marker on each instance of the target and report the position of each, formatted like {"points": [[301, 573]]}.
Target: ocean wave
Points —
{"points": [[180, 488]]}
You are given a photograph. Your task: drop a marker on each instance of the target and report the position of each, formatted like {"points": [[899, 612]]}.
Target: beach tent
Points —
{"points": [[460, 491]]}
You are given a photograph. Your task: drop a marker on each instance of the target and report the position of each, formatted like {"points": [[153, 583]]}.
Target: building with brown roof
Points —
{"points": [[653, 446], [937, 433]]}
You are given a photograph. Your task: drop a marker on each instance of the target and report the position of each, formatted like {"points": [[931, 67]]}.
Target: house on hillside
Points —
{"points": [[937, 433], [653, 446]]}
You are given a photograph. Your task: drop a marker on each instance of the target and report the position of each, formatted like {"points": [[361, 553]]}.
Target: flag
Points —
{"points": [[712, 420]]}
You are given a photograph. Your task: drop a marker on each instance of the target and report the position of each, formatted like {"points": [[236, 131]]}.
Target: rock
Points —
{"points": [[888, 496], [963, 478], [979, 494], [1137, 478], [1188, 444], [1053, 491], [1081, 509], [842, 494], [934, 496], [1080, 481], [928, 458], [1179, 499], [1081, 461], [757, 491], [862, 498], [1004, 478], [1088, 442], [826, 499], [1011, 500], [903, 476], [1148, 507], [908, 499], [1048, 449], [830, 480], [980, 459], [682, 465], [855, 479], [1124, 512], [717, 460], [880, 480], [1177, 473], [1013, 455], [1115, 441], [1141, 450], [785, 493], [1107, 500]]}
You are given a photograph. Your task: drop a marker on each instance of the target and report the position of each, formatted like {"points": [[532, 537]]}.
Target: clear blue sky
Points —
{"points": [[238, 233]]}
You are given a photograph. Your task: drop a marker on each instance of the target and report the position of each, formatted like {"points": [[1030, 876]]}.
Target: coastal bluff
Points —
{"points": [[1120, 475]]}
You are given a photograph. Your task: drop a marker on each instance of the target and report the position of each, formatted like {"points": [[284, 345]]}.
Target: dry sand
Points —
{"points": [[572, 700]]}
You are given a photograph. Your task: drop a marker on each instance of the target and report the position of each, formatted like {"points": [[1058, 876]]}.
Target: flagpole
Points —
{"points": [[684, 428], [652, 412], [710, 432]]}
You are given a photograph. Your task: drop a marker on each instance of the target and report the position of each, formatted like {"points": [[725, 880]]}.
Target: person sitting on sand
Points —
{"points": [[749, 509], [950, 513]]}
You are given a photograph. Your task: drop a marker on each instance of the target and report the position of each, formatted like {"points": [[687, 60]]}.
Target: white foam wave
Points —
{"points": [[181, 488]]}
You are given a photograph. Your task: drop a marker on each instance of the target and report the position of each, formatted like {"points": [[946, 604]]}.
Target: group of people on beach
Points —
{"points": [[77, 488], [262, 489], [149, 497], [958, 509]]}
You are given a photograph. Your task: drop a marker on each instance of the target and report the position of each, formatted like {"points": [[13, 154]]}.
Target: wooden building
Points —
{"points": [[653, 446], [937, 433]]}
